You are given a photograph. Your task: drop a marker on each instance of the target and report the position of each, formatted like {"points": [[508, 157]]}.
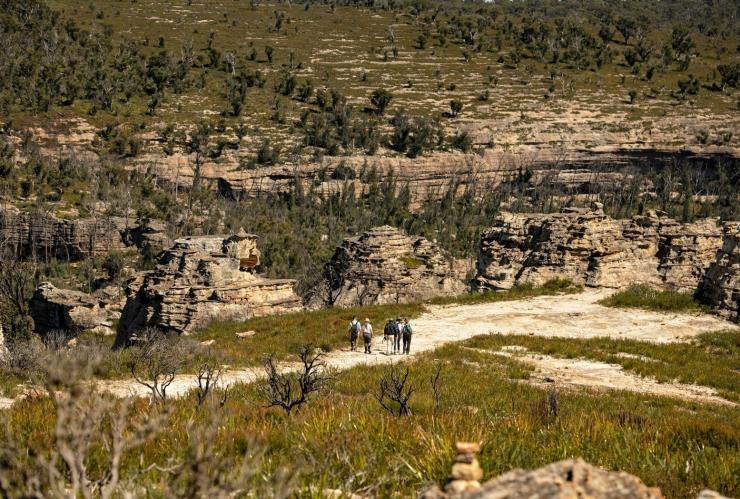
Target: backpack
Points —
{"points": [[407, 330], [388, 329], [354, 328]]}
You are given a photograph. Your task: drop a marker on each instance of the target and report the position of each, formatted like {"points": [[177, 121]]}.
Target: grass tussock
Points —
{"points": [[647, 298]]}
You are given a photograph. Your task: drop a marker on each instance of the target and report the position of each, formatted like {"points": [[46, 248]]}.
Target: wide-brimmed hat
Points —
{"points": [[367, 320]]}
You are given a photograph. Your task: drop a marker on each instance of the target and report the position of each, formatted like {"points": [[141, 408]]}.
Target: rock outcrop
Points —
{"points": [[384, 265], [595, 250], [561, 480], [200, 279], [45, 236], [721, 285], [71, 312]]}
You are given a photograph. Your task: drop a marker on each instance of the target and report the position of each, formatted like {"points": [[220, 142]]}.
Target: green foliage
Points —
{"points": [[517, 292], [643, 296], [411, 262], [651, 437], [380, 98], [113, 264]]}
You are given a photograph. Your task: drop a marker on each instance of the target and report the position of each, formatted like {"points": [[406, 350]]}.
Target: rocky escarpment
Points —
{"points": [[720, 287], [384, 265], [592, 249], [70, 312], [200, 279], [44, 236]]}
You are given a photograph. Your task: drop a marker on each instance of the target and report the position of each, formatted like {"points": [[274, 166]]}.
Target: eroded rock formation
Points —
{"points": [[45, 236], [71, 312], [384, 265], [200, 279], [593, 249], [721, 285]]}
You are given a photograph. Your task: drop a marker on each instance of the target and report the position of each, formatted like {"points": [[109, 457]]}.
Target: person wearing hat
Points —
{"points": [[367, 334]]}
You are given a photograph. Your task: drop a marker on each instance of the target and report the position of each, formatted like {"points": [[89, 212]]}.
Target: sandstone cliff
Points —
{"points": [[200, 279], [720, 287], [384, 265], [45, 236], [592, 249]]}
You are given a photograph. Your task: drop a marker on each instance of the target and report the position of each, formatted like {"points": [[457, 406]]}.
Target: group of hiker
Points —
{"points": [[395, 332]]}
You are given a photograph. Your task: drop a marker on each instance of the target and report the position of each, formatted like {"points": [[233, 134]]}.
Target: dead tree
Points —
{"points": [[155, 364], [434, 382], [394, 391], [291, 390], [208, 377], [92, 431]]}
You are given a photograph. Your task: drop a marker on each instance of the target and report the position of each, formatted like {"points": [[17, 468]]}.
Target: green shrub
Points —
{"points": [[645, 297]]}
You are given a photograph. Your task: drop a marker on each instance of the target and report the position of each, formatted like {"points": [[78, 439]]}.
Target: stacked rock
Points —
{"points": [[466, 472]]}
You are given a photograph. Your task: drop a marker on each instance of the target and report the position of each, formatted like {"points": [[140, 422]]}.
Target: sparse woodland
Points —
{"points": [[98, 98]]}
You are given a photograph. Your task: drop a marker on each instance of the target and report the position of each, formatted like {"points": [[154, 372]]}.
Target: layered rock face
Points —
{"points": [[595, 250], [201, 279], [384, 265], [72, 312], [721, 285], [45, 236]]}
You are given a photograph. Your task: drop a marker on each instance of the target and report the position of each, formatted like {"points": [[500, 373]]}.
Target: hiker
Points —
{"points": [[406, 333], [397, 335], [367, 334], [388, 335], [354, 331]]}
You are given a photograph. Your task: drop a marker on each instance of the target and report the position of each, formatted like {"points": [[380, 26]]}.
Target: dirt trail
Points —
{"points": [[576, 316]]}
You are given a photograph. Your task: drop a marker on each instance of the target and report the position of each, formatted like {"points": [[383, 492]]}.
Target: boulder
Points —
{"points": [[199, 280], [720, 287], [565, 479], [592, 249], [385, 265], [73, 312]]}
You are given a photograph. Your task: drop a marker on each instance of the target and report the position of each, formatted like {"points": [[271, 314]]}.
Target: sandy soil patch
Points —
{"points": [[583, 373]]}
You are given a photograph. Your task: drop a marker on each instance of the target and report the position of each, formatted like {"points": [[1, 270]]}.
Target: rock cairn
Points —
{"points": [[385, 265], [201, 279], [595, 250], [466, 471]]}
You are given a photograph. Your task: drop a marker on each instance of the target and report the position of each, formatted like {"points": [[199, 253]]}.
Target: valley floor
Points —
{"points": [[576, 316]]}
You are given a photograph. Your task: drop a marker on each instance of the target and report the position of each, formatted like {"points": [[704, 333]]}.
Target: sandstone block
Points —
{"points": [[200, 280], [384, 265]]}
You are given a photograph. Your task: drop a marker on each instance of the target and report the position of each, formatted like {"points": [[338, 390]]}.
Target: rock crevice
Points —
{"points": [[201, 279]]}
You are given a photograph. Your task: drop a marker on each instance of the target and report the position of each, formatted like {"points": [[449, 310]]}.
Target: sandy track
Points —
{"points": [[575, 316]]}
